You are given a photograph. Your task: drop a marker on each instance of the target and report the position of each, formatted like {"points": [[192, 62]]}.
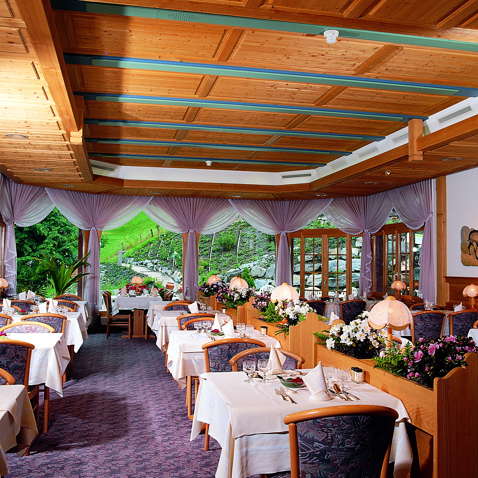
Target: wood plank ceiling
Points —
{"points": [[246, 85]]}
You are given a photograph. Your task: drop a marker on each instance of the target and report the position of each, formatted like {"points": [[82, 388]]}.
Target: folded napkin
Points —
{"points": [[316, 384], [7, 303], [123, 291], [52, 305], [333, 316], [458, 307], [228, 329], [22, 295], [193, 308], [31, 295], [276, 360], [42, 308], [217, 324]]}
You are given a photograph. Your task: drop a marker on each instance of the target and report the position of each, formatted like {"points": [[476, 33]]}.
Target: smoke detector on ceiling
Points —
{"points": [[208, 163], [331, 36]]}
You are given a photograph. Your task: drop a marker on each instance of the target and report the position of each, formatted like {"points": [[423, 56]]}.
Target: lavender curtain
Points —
{"points": [[24, 206], [414, 206], [361, 214], [191, 215], [94, 213], [280, 217]]}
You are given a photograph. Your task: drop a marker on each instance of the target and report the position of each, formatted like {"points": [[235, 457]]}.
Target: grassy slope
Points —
{"points": [[127, 236]]}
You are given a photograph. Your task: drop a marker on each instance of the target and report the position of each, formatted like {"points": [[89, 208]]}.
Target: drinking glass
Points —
{"points": [[249, 367], [241, 327], [249, 330], [262, 367]]}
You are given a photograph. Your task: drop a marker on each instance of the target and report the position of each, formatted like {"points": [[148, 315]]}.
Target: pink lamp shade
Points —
{"points": [[136, 280], [284, 292], [398, 285], [213, 279], [238, 283], [390, 313], [471, 290], [3, 283]]}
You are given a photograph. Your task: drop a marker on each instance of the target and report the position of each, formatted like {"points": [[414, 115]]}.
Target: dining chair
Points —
{"points": [[72, 297], [70, 304], [409, 300], [349, 309], [352, 440], [116, 320], [14, 307], [27, 327], [6, 378], [418, 306], [318, 306], [427, 324], [182, 319], [216, 359], [56, 321], [5, 319], [461, 322], [25, 305], [178, 305], [201, 322], [375, 295], [292, 361]]}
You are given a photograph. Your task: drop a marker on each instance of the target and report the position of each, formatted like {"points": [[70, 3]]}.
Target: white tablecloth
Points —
{"points": [[247, 420], [50, 358], [16, 420], [136, 302], [473, 333], [75, 329], [186, 356]]}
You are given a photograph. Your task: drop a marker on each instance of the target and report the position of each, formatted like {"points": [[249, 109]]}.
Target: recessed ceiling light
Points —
{"points": [[236, 196], [16, 136], [388, 172], [370, 182], [42, 170], [331, 36], [452, 159], [321, 195]]}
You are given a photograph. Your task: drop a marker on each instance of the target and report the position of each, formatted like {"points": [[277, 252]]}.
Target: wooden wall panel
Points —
{"points": [[229, 138], [243, 118], [126, 132], [6, 9], [11, 41], [319, 143]]}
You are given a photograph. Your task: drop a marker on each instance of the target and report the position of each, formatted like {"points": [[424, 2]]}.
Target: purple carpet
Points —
{"points": [[124, 417]]}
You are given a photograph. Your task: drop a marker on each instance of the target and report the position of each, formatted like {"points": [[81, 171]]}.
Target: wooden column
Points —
{"points": [[415, 131], [79, 283], [443, 295]]}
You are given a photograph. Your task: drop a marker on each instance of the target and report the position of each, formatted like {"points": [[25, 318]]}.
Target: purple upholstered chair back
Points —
{"points": [[28, 327], [351, 308], [72, 297], [25, 305], [177, 305], [15, 359], [344, 445], [461, 322], [218, 354], [53, 320], [290, 363], [5, 320], [68, 303], [191, 324], [427, 324], [318, 306], [182, 319]]}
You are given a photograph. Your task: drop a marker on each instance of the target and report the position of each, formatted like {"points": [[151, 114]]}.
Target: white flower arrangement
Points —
{"points": [[287, 313]]}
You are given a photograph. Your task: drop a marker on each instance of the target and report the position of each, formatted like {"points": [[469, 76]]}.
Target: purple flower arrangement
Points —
{"points": [[213, 289], [427, 359], [232, 298], [261, 300]]}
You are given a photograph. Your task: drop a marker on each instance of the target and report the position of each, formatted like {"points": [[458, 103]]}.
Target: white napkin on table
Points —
{"points": [[193, 308], [42, 307], [22, 295], [276, 360], [123, 291], [7, 303], [228, 329], [216, 325], [458, 307], [316, 384], [333, 316], [31, 295], [154, 292], [52, 305]]}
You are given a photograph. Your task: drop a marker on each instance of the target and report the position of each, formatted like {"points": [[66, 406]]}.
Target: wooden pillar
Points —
{"points": [[79, 283], [441, 257], [415, 131]]}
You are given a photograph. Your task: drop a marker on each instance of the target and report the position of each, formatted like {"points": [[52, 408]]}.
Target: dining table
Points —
{"points": [[49, 359], [17, 421], [247, 420], [185, 356]]}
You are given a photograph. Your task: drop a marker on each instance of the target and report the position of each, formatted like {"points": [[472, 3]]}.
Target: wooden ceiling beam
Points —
{"points": [[415, 131], [458, 15], [357, 8], [78, 147], [381, 56], [38, 19], [228, 44]]}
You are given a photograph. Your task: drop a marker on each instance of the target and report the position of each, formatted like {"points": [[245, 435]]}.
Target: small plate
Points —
{"points": [[289, 382]]}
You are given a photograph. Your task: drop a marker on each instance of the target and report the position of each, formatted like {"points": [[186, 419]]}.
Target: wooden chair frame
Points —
{"points": [[61, 297], [299, 360], [70, 305], [110, 317], [48, 314], [196, 315], [192, 321], [177, 302], [7, 376], [24, 301], [421, 312], [5, 328], [292, 420], [451, 316], [418, 304], [7, 317]]}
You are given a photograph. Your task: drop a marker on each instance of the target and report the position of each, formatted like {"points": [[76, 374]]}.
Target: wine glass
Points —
{"points": [[249, 367], [262, 367], [241, 328]]}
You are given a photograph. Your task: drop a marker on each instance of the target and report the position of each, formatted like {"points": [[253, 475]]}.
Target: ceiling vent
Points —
{"points": [[302, 175], [368, 152], [102, 166], [455, 114]]}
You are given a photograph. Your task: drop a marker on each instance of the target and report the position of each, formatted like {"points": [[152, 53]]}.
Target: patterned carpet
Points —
{"points": [[123, 418]]}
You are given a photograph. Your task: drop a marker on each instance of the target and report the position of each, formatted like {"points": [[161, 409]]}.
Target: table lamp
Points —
{"points": [[3, 286], [398, 286], [471, 291], [284, 292], [390, 313], [136, 280], [238, 283], [213, 279]]}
